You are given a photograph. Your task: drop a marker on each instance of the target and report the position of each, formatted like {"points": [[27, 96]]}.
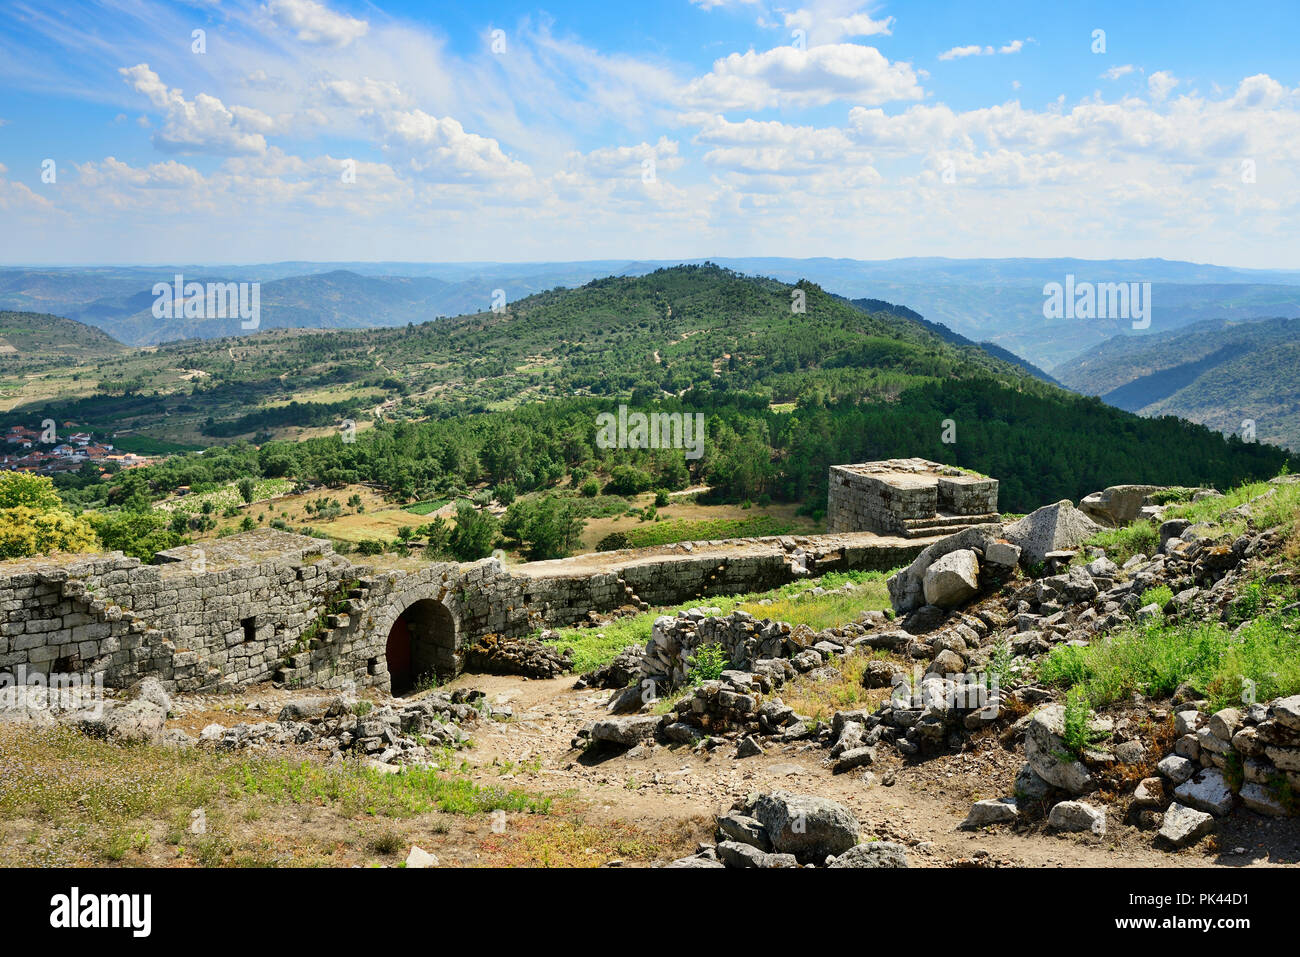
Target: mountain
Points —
{"points": [[995, 302], [33, 337], [947, 335], [1220, 373], [790, 378]]}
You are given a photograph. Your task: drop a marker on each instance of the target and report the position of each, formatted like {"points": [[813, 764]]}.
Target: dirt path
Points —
{"points": [[921, 808]]}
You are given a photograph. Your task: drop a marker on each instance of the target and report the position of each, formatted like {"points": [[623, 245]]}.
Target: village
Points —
{"points": [[28, 450]]}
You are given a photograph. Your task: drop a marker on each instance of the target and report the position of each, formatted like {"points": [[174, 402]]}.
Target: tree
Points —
{"points": [[139, 534], [474, 533], [34, 520], [246, 487], [25, 531]]}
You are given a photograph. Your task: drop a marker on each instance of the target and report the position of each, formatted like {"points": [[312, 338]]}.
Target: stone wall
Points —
{"points": [[267, 605]]}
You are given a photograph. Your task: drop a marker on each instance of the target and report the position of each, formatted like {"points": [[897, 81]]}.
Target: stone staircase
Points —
{"points": [[942, 524]]}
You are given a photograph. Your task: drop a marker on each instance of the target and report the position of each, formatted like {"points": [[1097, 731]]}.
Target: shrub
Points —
{"points": [[708, 663]]}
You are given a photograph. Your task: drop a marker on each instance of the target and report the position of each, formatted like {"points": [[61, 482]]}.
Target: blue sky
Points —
{"points": [[341, 130]]}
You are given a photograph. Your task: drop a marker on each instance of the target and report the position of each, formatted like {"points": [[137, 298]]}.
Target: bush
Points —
{"points": [[613, 542], [708, 663], [627, 480], [590, 488]]}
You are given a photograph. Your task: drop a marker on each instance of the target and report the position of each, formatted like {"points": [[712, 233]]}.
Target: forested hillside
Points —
{"points": [[509, 401], [1220, 373]]}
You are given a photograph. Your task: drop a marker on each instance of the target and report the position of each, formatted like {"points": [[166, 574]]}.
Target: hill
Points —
{"points": [[1219, 373], [789, 379], [995, 302], [947, 335], [34, 337]]}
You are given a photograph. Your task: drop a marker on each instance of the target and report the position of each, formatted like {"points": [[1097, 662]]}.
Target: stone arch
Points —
{"points": [[421, 640]]}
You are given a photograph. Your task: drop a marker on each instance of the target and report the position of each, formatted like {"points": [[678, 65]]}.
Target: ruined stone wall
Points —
{"points": [[857, 502], [266, 605], [906, 497]]}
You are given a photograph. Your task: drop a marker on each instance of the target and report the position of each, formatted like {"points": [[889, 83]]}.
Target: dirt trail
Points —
{"points": [[922, 809]]}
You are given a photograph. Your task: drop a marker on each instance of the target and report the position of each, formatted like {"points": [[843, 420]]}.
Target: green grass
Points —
{"points": [[427, 508], [1281, 507], [1159, 596], [1262, 659], [593, 647], [705, 529], [1121, 544]]}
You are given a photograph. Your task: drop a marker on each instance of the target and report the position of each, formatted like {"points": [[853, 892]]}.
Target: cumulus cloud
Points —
{"points": [[616, 162], [201, 125], [786, 76], [1161, 84], [822, 25], [441, 150], [314, 22]]}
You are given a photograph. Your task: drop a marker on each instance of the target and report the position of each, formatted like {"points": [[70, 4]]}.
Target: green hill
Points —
{"points": [[789, 378], [34, 337], [1219, 373]]}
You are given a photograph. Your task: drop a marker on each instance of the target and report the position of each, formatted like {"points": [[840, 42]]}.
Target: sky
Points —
{"points": [[244, 131]]}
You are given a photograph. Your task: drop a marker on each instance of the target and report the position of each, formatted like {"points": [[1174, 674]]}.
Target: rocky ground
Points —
{"points": [[689, 752]]}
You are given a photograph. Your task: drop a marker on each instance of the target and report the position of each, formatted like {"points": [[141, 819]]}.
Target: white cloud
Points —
{"points": [[364, 94], [974, 49], [957, 53], [786, 76], [616, 162], [1115, 72], [440, 150], [201, 125], [1161, 84], [823, 25], [314, 22]]}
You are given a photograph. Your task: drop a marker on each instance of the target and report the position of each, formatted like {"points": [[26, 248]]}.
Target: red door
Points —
{"points": [[398, 653]]}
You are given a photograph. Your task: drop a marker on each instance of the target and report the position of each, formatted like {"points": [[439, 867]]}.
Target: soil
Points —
{"points": [[674, 792]]}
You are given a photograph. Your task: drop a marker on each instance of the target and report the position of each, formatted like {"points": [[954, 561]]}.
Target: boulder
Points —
{"points": [[1176, 769], [1077, 816], [1049, 529], [1117, 505], [1046, 754], [999, 811], [907, 587], [872, 854], [626, 732], [135, 722], [1002, 554], [1286, 712], [1207, 790], [809, 827], [1183, 826], [743, 830], [952, 579]]}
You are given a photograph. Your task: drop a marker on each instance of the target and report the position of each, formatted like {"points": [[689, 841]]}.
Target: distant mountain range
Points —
{"points": [[996, 302], [1220, 373]]}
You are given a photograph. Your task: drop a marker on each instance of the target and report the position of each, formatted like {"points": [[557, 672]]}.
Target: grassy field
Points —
{"points": [[688, 520], [68, 799], [595, 646]]}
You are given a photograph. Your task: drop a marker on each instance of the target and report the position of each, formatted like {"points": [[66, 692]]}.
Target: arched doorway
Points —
{"points": [[421, 644]]}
